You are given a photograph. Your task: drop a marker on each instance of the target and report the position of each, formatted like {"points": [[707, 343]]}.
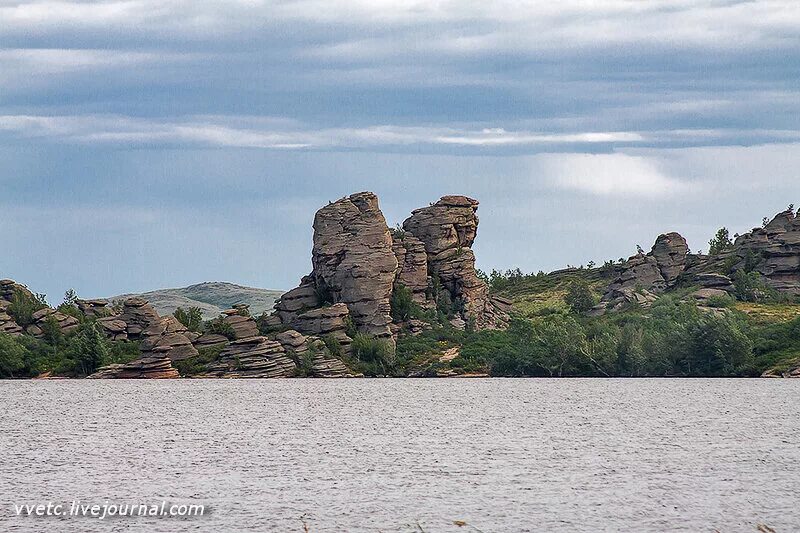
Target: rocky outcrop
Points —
{"points": [[657, 270], [95, 308], [448, 229], [302, 348], [639, 279], [358, 264], [152, 367], [773, 251], [254, 357], [8, 288], [43, 317], [353, 261], [158, 336], [243, 325]]}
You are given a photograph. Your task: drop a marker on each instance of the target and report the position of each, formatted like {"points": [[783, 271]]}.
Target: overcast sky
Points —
{"points": [[148, 144]]}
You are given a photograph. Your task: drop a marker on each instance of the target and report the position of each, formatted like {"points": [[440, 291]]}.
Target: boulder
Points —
{"points": [[254, 357], [144, 368], [243, 326], [94, 308]]}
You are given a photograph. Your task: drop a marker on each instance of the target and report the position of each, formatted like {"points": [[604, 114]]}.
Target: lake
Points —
{"points": [[500, 455]]}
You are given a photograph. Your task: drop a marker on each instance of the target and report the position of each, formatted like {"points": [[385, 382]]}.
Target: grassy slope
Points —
{"points": [[536, 297]]}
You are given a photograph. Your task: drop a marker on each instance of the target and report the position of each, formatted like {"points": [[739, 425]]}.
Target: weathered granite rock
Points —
{"points": [[209, 339], [7, 323], [96, 308], [324, 364], [773, 251], [159, 336], [144, 368], [114, 328], [168, 337], [670, 251], [713, 281], [652, 273], [353, 260], [243, 326], [448, 229], [254, 357], [412, 268], [298, 300], [619, 299]]}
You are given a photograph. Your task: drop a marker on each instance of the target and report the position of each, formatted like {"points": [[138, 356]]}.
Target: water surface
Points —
{"points": [[403, 454]]}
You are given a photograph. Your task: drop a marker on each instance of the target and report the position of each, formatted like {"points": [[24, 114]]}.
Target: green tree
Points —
{"points": [[87, 349], [12, 356], [580, 297], [24, 305], [720, 243], [402, 303], [192, 318]]}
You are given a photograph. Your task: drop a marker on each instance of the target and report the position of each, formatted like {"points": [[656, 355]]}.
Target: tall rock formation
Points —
{"points": [[358, 264], [353, 260], [448, 229]]}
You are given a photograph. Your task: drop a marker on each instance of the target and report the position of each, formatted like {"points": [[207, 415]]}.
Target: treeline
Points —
{"points": [[75, 354], [673, 339]]}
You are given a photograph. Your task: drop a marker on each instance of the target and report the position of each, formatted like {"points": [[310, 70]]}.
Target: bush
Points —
{"points": [[219, 326], [333, 345], [192, 318], [750, 287], [12, 357], [720, 302], [199, 363], [580, 297], [374, 356], [24, 305], [402, 304]]}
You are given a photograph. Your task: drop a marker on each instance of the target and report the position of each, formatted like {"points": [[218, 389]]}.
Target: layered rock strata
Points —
{"points": [[144, 368]]}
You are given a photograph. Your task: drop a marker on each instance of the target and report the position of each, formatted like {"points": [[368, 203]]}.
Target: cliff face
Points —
{"points": [[448, 229], [358, 262], [353, 261]]}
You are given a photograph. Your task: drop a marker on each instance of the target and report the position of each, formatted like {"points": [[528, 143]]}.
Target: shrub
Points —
{"points": [[192, 318], [333, 345], [24, 305], [580, 297], [402, 304], [199, 363], [374, 355], [219, 326], [12, 357], [750, 287], [85, 351], [720, 302]]}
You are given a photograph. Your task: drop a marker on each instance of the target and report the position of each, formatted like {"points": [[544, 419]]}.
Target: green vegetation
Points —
{"points": [[720, 243], [192, 318], [550, 335], [580, 297], [24, 305], [371, 356], [218, 326], [76, 354], [199, 363]]}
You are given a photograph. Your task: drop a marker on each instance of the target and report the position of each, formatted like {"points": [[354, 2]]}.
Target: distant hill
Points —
{"points": [[211, 297]]}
